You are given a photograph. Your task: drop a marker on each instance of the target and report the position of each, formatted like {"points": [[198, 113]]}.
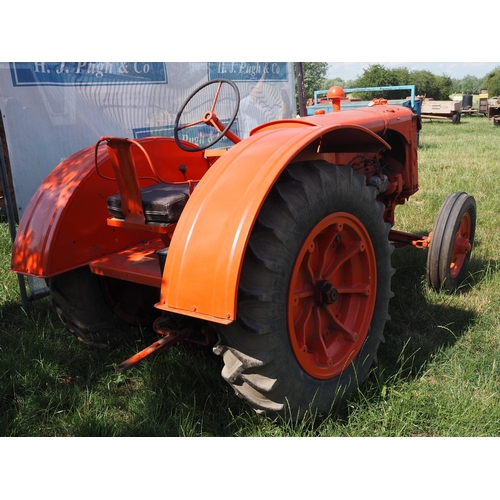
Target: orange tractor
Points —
{"points": [[276, 251]]}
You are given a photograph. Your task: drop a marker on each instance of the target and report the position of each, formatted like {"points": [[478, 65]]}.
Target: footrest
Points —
{"points": [[138, 264]]}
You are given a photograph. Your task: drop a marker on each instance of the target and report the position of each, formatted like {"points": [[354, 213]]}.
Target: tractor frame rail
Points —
{"points": [[400, 238]]}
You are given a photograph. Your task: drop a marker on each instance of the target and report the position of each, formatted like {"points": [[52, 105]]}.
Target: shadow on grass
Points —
{"points": [[422, 321], [51, 384], [423, 324]]}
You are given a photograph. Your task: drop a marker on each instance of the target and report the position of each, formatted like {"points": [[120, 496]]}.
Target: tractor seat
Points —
{"points": [[161, 203]]}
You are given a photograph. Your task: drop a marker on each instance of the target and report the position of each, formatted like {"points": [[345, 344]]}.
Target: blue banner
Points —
{"points": [[249, 71], [87, 73], [63, 107]]}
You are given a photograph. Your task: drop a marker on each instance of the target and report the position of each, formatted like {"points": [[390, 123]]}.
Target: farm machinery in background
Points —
{"points": [[462, 104], [426, 108], [494, 110], [276, 251], [441, 110]]}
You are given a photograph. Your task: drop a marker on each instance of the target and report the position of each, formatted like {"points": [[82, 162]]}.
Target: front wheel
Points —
{"points": [[314, 293], [451, 243]]}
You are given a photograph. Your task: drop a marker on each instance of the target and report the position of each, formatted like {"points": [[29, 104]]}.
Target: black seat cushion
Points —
{"points": [[161, 203]]}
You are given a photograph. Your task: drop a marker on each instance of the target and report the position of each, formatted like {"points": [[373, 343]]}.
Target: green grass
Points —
{"points": [[438, 371]]}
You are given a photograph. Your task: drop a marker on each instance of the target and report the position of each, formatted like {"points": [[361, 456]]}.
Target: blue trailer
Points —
{"points": [[412, 102]]}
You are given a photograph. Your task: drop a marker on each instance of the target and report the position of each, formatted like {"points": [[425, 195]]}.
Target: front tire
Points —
{"points": [[314, 293], [451, 243]]}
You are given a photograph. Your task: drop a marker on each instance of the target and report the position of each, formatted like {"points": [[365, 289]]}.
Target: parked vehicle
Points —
{"points": [[276, 250]]}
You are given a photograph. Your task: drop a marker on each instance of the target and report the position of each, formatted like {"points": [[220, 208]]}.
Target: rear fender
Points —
{"points": [[65, 223], [205, 257]]}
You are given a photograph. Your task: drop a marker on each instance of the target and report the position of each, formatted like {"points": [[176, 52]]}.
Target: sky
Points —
{"points": [[351, 70]]}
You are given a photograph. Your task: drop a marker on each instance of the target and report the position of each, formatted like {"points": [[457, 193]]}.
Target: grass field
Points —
{"points": [[438, 372]]}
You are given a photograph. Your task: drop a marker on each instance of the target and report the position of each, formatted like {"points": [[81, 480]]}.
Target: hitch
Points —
{"points": [[191, 332], [169, 339]]}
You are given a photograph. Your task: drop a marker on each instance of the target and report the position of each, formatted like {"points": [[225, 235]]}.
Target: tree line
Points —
{"points": [[438, 87]]}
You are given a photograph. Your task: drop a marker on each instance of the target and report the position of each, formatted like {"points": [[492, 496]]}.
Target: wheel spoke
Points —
{"points": [[343, 255], [325, 245], [358, 288], [216, 124], [301, 324], [347, 334], [310, 333], [192, 124], [307, 269], [302, 294], [322, 334], [316, 338], [306, 279], [216, 97]]}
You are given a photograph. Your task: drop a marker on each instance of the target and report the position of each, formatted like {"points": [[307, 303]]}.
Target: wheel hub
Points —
{"points": [[332, 295], [328, 294], [461, 246]]}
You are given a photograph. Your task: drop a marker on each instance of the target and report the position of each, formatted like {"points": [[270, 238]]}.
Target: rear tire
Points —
{"points": [[451, 243], [101, 311], [314, 293]]}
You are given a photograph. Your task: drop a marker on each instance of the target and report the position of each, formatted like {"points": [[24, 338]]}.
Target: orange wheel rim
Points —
{"points": [[461, 246], [332, 295]]}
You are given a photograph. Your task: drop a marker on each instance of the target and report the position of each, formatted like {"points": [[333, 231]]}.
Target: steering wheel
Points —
{"points": [[209, 118]]}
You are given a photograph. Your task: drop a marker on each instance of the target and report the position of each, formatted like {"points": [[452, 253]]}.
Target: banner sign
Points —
{"points": [[51, 110], [86, 73], [247, 71]]}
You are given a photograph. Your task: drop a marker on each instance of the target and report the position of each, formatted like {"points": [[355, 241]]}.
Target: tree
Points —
{"points": [[314, 77], [335, 82], [492, 82], [444, 85], [469, 84], [377, 75], [402, 76], [425, 83]]}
